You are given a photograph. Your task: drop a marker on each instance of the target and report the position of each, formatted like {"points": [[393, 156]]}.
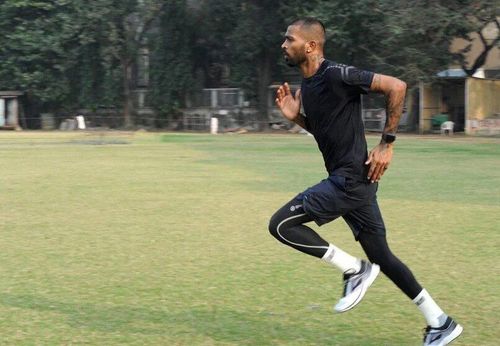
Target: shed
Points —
{"points": [[464, 100], [9, 109]]}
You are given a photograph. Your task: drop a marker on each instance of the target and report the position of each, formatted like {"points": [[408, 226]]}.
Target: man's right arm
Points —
{"points": [[394, 89]]}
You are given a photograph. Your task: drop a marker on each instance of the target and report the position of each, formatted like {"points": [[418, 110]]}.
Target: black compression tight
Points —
{"points": [[287, 225], [377, 250]]}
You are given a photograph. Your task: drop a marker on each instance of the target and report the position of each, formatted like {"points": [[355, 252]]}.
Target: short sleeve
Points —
{"points": [[359, 80]]}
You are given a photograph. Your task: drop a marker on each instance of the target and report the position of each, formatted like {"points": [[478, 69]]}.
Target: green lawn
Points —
{"points": [[161, 239]]}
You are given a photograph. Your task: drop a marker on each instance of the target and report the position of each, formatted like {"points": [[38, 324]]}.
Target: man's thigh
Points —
{"points": [[327, 200], [366, 218], [292, 213]]}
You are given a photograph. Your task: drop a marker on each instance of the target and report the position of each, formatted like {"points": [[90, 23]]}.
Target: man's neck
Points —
{"points": [[311, 65]]}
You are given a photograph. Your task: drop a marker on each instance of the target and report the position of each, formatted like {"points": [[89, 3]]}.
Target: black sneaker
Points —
{"points": [[443, 335], [356, 284]]}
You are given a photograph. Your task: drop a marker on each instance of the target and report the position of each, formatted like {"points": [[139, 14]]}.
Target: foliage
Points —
{"points": [[36, 47], [478, 15], [406, 38], [171, 59], [97, 73], [71, 54], [255, 48], [214, 23]]}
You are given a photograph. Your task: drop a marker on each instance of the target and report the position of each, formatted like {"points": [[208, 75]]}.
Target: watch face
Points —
{"points": [[388, 138]]}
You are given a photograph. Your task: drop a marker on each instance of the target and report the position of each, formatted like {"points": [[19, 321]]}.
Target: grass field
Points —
{"points": [[161, 239]]}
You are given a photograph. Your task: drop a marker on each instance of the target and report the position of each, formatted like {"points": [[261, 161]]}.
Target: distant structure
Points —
{"points": [[227, 105], [463, 93], [9, 110]]}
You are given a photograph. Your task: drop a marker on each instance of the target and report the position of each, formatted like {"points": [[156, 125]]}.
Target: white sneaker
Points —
{"points": [[443, 335], [356, 284]]}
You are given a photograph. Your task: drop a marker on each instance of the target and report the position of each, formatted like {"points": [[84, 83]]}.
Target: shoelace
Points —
{"points": [[347, 277]]}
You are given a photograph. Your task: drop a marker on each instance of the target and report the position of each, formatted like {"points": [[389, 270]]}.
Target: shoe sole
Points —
{"points": [[373, 275], [453, 335]]}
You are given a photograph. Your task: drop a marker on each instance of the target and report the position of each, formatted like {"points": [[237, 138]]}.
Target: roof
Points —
{"points": [[10, 93], [452, 73]]}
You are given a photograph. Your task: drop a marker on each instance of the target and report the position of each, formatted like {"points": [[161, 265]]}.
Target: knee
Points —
{"points": [[386, 261], [273, 225], [377, 250], [383, 261], [381, 256]]}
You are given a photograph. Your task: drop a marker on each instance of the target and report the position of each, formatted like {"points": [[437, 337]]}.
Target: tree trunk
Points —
{"points": [[481, 59], [264, 75], [128, 105]]}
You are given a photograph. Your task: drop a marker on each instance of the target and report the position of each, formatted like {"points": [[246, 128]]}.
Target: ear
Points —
{"points": [[311, 45]]}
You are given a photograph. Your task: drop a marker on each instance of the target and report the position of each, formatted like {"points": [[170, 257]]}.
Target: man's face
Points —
{"points": [[294, 47]]}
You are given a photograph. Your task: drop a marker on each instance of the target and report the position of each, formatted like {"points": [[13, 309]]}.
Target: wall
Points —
{"points": [[430, 104], [483, 98], [483, 106]]}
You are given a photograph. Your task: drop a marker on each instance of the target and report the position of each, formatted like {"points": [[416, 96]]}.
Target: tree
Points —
{"points": [[36, 48], [68, 54], [96, 78], [355, 30], [407, 38], [419, 33], [214, 22], [172, 65], [255, 48], [128, 22], [479, 15]]}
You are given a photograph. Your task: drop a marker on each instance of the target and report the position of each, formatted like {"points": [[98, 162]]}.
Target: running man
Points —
{"points": [[330, 95]]}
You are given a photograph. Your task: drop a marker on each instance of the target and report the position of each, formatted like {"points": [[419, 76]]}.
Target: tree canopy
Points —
{"points": [[86, 54]]}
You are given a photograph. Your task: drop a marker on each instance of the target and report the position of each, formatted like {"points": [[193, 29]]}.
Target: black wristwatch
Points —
{"points": [[388, 138]]}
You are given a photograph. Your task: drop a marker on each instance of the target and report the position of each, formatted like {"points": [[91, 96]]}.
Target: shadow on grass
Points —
{"points": [[218, 324]]}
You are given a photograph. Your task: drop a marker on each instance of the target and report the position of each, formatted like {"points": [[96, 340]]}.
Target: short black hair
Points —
{"points": [[309, 21]]}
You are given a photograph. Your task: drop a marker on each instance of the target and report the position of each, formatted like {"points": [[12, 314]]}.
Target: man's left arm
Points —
{"points": [[394, 90]]}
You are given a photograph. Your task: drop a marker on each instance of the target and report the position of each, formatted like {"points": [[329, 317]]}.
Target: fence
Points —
{"points": [[192, 119], [229, 106]]}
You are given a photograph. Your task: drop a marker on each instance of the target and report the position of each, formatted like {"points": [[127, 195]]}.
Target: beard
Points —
{"points": [[294, 61], [289, 61]]}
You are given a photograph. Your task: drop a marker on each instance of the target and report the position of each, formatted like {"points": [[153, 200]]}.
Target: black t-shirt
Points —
{"points": [[332, 104]]}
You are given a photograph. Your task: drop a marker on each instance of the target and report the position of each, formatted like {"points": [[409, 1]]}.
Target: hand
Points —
{"points": [[288, 103], [379, 160]]}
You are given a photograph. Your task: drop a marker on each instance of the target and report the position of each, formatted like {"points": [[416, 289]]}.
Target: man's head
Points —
{"points": [[304, 37]]}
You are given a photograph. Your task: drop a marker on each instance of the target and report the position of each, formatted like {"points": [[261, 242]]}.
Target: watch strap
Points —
{"points": [[388, 137]]}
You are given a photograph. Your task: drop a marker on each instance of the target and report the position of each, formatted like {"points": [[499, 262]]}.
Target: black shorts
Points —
{"points": [[339, 196]]}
